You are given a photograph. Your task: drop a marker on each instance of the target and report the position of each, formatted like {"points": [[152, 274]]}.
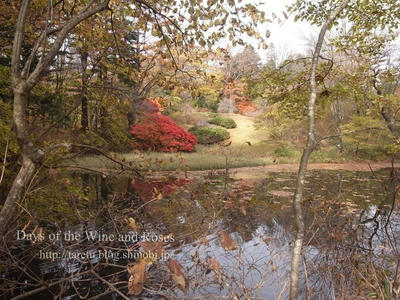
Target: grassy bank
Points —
{"points": [[208, 158], [248, 147], [170, 161]]}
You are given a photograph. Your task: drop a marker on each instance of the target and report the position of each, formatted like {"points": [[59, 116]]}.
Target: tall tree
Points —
{"points": [[23, 81], [311, 142], [173, 23], [244, 64]]}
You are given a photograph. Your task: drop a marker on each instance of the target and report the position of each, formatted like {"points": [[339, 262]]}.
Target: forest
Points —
{"points": [[171, 150]]}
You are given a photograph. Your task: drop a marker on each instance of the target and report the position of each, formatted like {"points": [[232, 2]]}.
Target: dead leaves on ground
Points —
{"points": [[277, 193]]}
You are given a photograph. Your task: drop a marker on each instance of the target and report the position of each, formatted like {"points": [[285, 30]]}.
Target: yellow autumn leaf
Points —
{"points": [[132, 223]]}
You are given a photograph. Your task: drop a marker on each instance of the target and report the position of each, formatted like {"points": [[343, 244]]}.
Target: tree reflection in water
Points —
{"points": [[350, 248]]}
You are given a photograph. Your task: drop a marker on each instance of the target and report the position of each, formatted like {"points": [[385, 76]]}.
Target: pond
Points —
{"points": [[208, 236]]}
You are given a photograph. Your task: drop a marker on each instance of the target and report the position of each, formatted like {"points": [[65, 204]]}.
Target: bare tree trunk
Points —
{"points": [[84, 100], [17, 190], [338, 115], [31, 156], [298, 212]]}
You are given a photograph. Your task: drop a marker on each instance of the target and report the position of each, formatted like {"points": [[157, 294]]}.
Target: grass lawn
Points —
{"points": [[171, 161], [239, 153]]}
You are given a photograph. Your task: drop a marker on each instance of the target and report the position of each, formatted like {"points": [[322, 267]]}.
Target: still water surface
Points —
{"points": [[350, 249]]}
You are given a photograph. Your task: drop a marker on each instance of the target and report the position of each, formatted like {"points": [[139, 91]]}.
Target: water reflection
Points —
{"points": [[350, 245]]}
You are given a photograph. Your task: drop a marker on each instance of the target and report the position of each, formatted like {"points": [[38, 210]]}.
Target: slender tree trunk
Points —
{"points": [[338, 115], [385, 111], [297, 207], [31, 156], [84, 100]]}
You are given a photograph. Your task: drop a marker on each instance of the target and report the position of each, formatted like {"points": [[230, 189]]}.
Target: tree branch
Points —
{"points": [[123, 166], [47, 286], [19, 35], [46, 60], [347, 133]]}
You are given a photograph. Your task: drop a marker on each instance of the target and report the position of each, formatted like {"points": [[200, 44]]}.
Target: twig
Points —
{"points": [[109, 285], [4, 160], [114, 35], [107, 156], [47, 286], [59, 120], [347, 133]]}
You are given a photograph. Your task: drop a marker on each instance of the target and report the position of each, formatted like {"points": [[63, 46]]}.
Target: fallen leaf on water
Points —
{"points": [[153, 247], [204, 241], [243, 210], [178, 277], [131, 223], [137, 278], [214, 265], [227, 242]]}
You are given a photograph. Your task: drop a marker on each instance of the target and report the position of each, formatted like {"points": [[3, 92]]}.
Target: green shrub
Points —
{"points": [[284, 150], [366, 151], [207, 135], [224, 122], [362, 141], [331, 154]]}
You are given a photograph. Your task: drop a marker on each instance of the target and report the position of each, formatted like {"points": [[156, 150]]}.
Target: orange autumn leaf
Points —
{"points": [[227, 242], [137, 278], [214, 265]]}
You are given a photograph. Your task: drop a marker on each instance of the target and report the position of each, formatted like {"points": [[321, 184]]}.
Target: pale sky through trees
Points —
{"points": [[288, 37], [289, 34]]}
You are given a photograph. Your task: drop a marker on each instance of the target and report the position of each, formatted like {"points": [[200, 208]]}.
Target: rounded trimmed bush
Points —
{"points": [[209, 135], [224, 122]]}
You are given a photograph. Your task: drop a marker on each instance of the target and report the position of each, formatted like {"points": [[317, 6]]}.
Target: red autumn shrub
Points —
{"points": [[158, 132]]}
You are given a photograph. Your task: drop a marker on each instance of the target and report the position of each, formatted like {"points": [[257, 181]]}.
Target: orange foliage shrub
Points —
{"points": [[234, 92]]}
